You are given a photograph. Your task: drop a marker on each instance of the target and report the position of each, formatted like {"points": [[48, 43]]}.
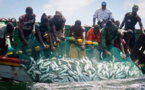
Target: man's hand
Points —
{"points": [[112, 42], [13, 43], [25, 42], [128, 51], [123, 56], [33, 32], [53, 48], [143, 31], [83, 47], [57, 40], [44, 47], [107, 53], [62, 38]]}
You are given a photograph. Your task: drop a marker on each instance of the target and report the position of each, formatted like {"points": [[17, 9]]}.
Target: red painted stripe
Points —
{"points": [[9, 59]]}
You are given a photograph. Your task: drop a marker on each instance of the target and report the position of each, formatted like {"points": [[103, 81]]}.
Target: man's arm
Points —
{"points": [[94, 21], [111, 17], [54, 33], [70, 32], [84, 35], [63, 29], [103, 39], [94, 17], [33, 31], [140, 24], [89, 36], [123, 22], [40, 38], [51, 42], [21, 25]]}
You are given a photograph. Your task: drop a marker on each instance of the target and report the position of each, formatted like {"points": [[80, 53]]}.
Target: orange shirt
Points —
{"points": [[91, 36]]}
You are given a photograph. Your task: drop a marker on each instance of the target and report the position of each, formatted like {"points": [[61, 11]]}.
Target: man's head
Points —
{"points": [[135, 8], [29, 11], [103, 5], [96, 29], [128, 34], [117, 23], [109, 25], [77, 23], [44, 20], [58, 15], [10, 27]]}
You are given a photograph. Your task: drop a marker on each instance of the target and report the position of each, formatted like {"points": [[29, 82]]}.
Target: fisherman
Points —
{"points": [[123, 42], [108, 34], [102, 14], [117, 23], [130, 20], [43, 31], [78, 32], [27, 24], [57, 24], [94, 34], [6, 30]]}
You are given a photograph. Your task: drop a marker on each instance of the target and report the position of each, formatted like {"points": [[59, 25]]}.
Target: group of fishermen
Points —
{"points": [[106, 32]]}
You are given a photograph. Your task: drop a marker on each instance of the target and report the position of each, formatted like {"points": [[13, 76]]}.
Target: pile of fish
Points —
{"points": [[63, 70]]}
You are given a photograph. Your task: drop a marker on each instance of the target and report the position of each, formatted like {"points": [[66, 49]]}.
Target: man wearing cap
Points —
{"points": [[130, 20], [102, 14], [108, 34], [57, 24]]}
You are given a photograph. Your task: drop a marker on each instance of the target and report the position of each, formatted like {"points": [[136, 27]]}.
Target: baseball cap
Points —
{"points": [[104, 3]]}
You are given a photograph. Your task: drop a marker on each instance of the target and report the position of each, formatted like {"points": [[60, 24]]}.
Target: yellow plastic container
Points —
{"points": [[47, 37], [141, 65], [29, 50], [72, 39], [37, 48], [80, 41], [10, 53], [47, 46], [56, 44], [109, 53], [19, 52], [89, 42], [95, 43]]}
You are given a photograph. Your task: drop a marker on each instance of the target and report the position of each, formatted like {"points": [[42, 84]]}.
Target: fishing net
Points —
{"points": [[70, 64]]}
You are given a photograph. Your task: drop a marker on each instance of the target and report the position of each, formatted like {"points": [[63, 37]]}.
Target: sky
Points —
{"points": [[72, 9]]}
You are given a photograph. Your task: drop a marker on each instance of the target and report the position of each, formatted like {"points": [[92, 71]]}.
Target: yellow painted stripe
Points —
{"points": [[10, 63]]}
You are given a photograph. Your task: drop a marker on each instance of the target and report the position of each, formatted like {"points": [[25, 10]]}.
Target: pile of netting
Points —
{"points": [[70, 64]]}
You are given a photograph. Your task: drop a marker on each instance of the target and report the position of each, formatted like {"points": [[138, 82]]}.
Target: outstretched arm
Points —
{"points": [[40, 38], [141, 26], [54, 33], [21, 26], [123, 22], [94, 21]]}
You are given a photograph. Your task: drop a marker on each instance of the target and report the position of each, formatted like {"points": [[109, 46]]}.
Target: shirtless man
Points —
{"points": [[27, 24], [78, 32]]}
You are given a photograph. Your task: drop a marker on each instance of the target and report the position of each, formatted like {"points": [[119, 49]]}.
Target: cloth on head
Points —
{"points": [[58, 13]]}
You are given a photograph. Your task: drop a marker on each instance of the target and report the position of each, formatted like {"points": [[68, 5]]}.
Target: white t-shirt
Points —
{"points": [[101, 14], [3, 31]]}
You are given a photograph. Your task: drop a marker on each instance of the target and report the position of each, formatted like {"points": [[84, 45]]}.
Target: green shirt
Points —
{"points": [[107, 36], [42, 29]]}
